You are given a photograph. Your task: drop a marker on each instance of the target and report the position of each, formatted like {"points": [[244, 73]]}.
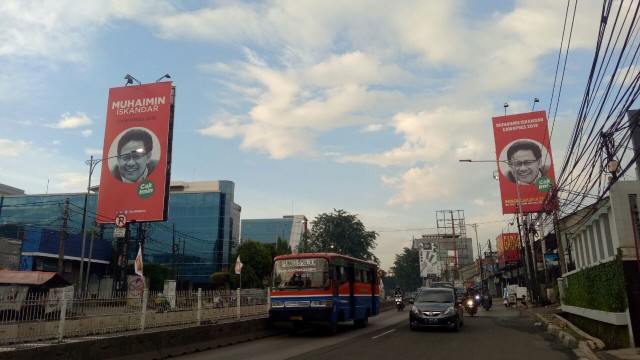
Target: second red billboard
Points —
{"points": [[508, 249], [136, 154], [524, 159]]}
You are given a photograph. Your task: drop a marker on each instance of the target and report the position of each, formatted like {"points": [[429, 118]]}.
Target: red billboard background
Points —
{"points": [[135, 183], [519, 135], [508, 249]]}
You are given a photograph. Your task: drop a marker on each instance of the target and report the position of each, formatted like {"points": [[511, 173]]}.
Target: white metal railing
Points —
{"points": [[36, 318]]}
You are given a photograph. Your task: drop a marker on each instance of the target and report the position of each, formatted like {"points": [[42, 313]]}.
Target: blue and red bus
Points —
{"points": [[323, 289]]}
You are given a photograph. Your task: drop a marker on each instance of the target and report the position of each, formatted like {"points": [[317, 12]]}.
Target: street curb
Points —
{"points": [[593, 342], [581, 348]]}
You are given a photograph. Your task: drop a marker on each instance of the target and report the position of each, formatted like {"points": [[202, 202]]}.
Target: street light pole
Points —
{"points": [[529, 272], [475, 228], [92, 165]]}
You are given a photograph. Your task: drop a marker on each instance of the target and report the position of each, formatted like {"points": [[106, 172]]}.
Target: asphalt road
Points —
{"points": [[496, 334]]}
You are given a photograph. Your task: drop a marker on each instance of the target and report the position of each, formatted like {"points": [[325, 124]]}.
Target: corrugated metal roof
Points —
{"points": [[29, 277]]}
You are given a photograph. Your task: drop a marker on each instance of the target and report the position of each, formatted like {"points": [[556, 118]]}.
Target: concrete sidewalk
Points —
{"points": [[584, 345]]}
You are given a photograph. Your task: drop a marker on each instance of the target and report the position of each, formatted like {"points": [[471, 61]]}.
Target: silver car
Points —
{"points": [[436, 308]]}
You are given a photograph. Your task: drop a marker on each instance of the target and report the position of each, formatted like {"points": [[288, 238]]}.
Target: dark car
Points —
{"points": [[436, 308], [441, 284]]}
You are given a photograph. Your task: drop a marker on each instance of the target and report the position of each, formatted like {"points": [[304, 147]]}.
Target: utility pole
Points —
{"points": [[173, 251], [456, 274], [142, 234], [531, 260], [86, 283], [63, 235], [523, 252], [556, 227], [122, 251], [182, 260], [475, 228], [493, 260]]}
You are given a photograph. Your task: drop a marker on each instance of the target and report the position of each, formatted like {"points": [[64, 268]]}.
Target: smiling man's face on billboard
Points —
{"points": [[525, 166], [133, 159]]}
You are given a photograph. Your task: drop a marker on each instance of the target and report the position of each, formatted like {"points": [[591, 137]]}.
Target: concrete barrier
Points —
{"points": [[156, 345], [153, 345]]}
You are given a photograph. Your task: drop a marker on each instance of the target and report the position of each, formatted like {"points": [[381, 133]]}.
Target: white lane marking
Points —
{"points": [[384, 333]]}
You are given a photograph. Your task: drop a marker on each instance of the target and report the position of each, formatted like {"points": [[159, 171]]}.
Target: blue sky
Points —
{"points": [[308, 106]]}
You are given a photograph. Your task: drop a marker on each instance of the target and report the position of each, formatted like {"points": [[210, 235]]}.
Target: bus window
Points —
{"points": [[358, 274], [342, 274], [300, 273]]}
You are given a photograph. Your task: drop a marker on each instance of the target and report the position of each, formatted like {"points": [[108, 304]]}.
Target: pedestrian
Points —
{"points": [[524, 300], [505, 296]]}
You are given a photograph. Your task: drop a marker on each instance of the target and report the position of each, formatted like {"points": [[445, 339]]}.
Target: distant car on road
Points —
{"points": [[436, 307], [441, 284]]}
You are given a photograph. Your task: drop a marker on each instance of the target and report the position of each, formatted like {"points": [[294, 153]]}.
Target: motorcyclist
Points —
{"points": [[470, 293], [486, 298], [399, 298], [398, 292], [485, 294]]}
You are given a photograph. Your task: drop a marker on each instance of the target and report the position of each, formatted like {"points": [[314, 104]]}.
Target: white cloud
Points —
{"points": [[428, 137], [425, 69], [14, 148], [627, 75], [433, 71], [310, 93], [353, 68], [68, 121], [93, 151], [70, 181], [373, 128], [50, 29], [418, 185], [292, 106]]}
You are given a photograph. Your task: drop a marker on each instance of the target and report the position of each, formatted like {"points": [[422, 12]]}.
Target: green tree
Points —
{"points": [[407, 269], [220, 280], [282, 247], [257, 263], [305, 245], [156, 274], [342, 233]]}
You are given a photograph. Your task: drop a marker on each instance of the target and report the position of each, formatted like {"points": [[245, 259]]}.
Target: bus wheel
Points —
{"points": [[295, 327], [333, 328], [362, 323]]}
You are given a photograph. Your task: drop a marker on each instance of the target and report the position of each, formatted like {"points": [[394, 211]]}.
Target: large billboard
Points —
{"points": [[508, 250], [429, 259], [136, 157], [524, 160]]}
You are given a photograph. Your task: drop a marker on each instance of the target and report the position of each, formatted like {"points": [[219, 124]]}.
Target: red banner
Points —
{"points": [[134, 178], [524, 159], [508, 249]]}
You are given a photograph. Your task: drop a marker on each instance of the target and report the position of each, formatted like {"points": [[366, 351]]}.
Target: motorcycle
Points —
{"points": [[399, 303], [471, 305], [486, 301], [162, 303]]}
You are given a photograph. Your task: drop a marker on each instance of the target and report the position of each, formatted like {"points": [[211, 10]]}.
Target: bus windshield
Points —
{"points": [[301, 274]]}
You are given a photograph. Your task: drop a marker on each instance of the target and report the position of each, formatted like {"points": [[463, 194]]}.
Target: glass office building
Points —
{"points": [[197, 239], [290, 228]]}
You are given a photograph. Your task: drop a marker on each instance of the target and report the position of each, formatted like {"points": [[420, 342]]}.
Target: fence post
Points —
{"points": [[238, 295], [143, 315], [63, 316], [199, 314]]}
